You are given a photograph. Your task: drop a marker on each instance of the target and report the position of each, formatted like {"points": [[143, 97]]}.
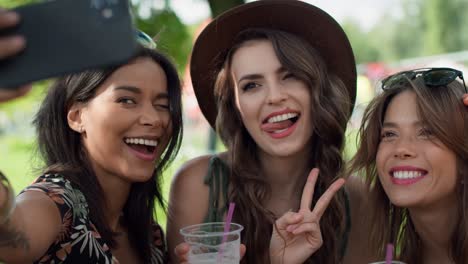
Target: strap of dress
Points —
{"points": [[217, 181]]}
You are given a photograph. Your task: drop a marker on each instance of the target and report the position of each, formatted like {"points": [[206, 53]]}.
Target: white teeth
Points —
{"points": [[141, 141], [407, 174], [282, 117]]}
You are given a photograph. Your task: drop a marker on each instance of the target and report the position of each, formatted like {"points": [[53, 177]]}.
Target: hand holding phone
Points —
{"points": [[66, 36], [9, 46]]}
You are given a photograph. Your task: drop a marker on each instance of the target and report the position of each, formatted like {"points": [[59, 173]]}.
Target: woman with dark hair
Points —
{"points": [[413, 155], [105, 136], [279, 92]]}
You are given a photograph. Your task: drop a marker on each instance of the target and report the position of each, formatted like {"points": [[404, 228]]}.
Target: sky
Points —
{"points": [[365, 12]]}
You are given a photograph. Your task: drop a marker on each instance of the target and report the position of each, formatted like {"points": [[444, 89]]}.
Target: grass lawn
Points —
{"points": [[17, 160]]}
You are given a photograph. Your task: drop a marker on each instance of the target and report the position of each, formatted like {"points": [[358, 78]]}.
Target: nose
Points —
{"points": [[405, 149], [276, 93], [151, 117]]}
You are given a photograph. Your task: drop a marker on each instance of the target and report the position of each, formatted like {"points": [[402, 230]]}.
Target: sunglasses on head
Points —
{"points": [[432, 77], [145, 40]]}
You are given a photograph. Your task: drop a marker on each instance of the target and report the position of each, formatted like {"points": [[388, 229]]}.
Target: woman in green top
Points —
{"points": [[284, 90]]}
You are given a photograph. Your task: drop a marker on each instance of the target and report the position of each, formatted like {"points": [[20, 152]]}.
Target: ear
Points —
{"points": [[75, 122]]}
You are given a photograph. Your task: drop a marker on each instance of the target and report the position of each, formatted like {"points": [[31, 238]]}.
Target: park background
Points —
{"points": [[386, 36]]}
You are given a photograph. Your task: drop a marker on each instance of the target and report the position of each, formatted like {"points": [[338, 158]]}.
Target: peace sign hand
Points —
{"points": [[296, 236]]}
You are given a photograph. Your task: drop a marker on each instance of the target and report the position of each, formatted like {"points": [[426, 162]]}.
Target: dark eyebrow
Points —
{"points": [[281, 70], [389, 124], [255, 76], [137, 90], [393, 125], [162, 96], [128, 88]]}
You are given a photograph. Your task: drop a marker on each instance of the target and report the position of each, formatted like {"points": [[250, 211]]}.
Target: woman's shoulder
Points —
{"points": [[195, 164], [195, 170], [57, 187], [68, 198]]}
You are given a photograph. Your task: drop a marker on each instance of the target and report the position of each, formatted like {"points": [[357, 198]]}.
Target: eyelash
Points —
{"points": [[426, 132], [288, 75], [124, 100], [387, 134], [249, 86], [167, 107]]}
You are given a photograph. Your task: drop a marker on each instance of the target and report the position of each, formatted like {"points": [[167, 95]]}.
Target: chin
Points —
{"points": [[139, 176], [404, 201]]}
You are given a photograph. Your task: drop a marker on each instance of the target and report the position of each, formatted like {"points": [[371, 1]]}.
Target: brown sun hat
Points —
{"points": [[304, 20]]}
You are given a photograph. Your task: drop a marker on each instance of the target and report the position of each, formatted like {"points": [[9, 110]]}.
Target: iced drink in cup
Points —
{"points": [[206, 243]]}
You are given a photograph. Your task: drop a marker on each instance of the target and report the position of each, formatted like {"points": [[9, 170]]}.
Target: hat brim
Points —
{"points": [[304, 20]]}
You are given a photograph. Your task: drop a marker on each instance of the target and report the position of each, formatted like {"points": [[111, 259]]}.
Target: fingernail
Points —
{"points": [[11, 16], [290, 228], [17, 41]]}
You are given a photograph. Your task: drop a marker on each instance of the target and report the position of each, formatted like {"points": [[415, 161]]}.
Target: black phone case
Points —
{"points": [[65, 36]]}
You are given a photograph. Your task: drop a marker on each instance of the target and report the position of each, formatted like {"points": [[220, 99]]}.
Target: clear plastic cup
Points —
{"points": [[209, 244]]}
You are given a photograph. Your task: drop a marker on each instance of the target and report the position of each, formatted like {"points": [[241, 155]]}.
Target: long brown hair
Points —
{"points": [[63, 152], [442, 111], [330, 112]]}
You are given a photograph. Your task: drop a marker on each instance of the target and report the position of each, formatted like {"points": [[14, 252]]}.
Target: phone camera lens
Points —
{"points": [[107, 13]]}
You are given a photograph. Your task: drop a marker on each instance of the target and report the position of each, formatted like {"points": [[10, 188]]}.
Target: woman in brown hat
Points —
{"points": [[278, 81]]}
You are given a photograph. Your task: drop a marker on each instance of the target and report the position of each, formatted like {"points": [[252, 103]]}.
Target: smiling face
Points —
{"points": [[126, 126], [273, 103], [415, 168]]}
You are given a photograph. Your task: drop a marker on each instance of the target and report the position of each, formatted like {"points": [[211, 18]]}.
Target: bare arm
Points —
{"points": [[30, 229], [188, 201]]}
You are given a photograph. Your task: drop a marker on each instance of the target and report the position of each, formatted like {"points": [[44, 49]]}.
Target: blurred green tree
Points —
{"points": [[15, 3], [443, 25], [217, 7], [171, 35], [364, 49]]}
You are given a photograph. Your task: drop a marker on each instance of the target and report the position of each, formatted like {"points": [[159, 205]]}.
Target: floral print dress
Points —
{"points": [[79, 241]]}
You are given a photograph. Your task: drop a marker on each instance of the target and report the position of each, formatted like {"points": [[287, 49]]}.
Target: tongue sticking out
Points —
{"points": [[272, 127]]}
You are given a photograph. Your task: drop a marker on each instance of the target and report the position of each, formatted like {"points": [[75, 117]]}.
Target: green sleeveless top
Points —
{"points": [[217, 179]]}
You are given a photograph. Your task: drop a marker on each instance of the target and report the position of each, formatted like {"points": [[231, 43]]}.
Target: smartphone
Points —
{"points": [[66, 36]]}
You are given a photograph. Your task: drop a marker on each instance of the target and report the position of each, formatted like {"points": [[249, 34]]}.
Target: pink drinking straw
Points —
{"points": [[227, 224], [389, 254]]}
